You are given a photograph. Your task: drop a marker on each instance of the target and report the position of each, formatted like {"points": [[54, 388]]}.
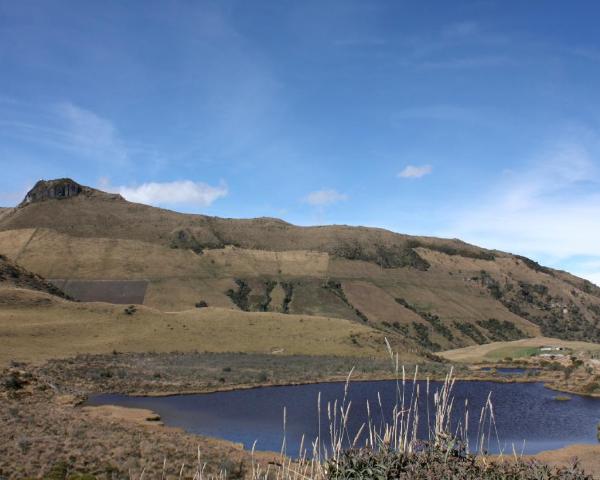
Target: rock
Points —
{"points": [[60, 189]]}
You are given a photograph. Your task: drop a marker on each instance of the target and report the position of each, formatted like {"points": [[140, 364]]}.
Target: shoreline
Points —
{"points": [[340, 379]]}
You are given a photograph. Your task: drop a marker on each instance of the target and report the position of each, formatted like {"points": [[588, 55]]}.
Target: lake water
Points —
{"points": [[527, 414]]}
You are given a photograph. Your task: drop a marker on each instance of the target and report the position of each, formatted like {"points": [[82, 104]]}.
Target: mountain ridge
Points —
{"points": [[425, 292]]}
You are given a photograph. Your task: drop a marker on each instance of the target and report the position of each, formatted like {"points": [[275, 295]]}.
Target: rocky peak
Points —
{"points": [[60, 189]]}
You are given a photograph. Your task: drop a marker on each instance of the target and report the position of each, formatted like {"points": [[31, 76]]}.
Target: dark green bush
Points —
{"points": [[288, 288], [501, 330], [471, 331], [240, 296], [422, 336]]}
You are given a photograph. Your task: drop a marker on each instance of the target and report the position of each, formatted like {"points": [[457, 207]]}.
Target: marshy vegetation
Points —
{"points": [[378, 449]]}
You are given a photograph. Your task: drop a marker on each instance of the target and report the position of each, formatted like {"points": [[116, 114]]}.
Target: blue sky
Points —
{"points": [[475, 119]]}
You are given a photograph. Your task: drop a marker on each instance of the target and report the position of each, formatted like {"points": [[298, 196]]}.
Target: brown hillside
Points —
{"points": [[36, 326], [433, 293], [14, 276]]}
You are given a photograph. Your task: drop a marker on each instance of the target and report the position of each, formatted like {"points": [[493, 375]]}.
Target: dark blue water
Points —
{"points": [[527, 415]]}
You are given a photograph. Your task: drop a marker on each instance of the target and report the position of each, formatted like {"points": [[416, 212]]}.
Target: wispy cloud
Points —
{"points": [[90, 134], [64, 126], [549, 209], [460, 45], [412, 171], [322, 198], [170, 193]]}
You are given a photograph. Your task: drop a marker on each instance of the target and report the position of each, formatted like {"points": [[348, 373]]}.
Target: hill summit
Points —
{"points": [[60, 188]]}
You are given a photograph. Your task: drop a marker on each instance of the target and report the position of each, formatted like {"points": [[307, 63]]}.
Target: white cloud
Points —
{"points": [[549, 210], [170, 193], [322, 198], [412, 171]]}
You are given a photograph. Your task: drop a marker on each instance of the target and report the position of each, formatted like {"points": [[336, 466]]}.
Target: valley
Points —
{"points": [[101, 295]]}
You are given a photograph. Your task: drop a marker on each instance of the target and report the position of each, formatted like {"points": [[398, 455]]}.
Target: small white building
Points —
{"points": [[551, 349]]}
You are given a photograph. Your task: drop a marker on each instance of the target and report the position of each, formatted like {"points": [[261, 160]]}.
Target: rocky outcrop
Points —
{"points": [[59, 189]]}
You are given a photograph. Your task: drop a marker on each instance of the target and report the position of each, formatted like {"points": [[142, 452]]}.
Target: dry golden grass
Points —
{"points": [[13, 241], [35, 326]]}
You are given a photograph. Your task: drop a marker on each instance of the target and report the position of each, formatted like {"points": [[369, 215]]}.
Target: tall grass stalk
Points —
{"points": [[397, 434]]}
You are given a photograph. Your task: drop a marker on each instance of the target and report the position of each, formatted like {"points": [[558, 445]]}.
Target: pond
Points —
{"points": [[527, 415]]}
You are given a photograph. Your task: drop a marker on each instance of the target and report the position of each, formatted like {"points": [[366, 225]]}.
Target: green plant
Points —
{"points": [[422, 336], [501, 330], [433, 319], [288, 288], [264, 304], [471, 331], [240, 296]]}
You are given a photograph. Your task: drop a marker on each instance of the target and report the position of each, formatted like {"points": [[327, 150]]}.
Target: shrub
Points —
{"points": [[436, 464], [422, 333], [201, 304], [433, 319], [130, 310], [590, 387], [266, 301], [501, 330], [13, 382], [240, 297], [288, 288], [471, 331]]}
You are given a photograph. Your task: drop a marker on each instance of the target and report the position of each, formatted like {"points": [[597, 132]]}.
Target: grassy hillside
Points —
{"points": [[36, 326], [436, 294], [12, 275]]}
